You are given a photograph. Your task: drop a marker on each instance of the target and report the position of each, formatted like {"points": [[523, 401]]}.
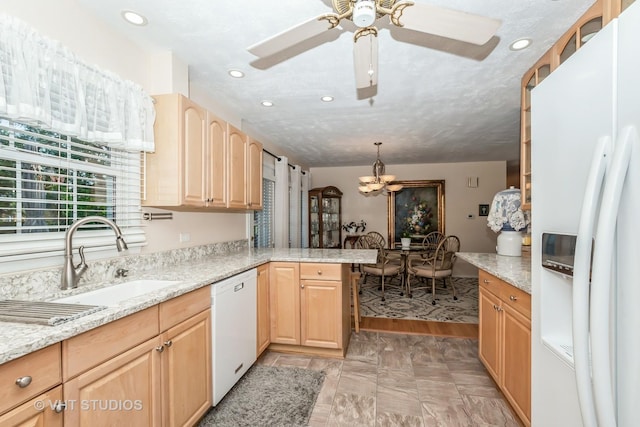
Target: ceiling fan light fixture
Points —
{"points": [[379, 180], [364, 13]]}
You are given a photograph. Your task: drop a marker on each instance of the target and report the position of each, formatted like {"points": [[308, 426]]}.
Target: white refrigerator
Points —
{"points": [[585, 124]]}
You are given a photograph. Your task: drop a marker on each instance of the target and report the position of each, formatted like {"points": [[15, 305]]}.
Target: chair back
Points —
{"points": [[445, 255], [431, 241], [376, 239]]}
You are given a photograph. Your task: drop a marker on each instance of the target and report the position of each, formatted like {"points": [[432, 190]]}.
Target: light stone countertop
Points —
{"points": [[18, 339], [513, 270]]}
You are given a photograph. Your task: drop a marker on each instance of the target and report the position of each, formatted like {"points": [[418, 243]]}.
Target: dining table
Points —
{"points": [[405, 252]]}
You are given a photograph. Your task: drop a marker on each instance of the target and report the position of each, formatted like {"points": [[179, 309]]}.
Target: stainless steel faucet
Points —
{"points": [[71, 274]]}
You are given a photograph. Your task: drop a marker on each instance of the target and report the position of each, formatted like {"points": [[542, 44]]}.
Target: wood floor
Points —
{"points": [[421, 327]]}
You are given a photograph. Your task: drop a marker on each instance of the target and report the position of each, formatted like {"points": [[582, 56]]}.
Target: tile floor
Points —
{"points": [[404, 380]]}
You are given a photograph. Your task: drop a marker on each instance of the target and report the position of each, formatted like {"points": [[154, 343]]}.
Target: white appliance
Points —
{"points": [[234, 329], [586, 209]]}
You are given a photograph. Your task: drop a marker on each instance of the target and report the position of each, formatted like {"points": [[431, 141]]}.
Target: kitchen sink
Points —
{"points": [[115, 294]]}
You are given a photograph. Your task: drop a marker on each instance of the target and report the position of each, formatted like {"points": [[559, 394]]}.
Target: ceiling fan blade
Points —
{"points": [[444, 22], [365, 57], [295, 35]]}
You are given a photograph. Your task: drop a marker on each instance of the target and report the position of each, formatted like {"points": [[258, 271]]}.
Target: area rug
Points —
{"points": [[268, 396], [395, 306]]}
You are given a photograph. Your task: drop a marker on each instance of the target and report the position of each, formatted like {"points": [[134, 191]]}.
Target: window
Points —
{"points": [[49, 180], [263, 219]]}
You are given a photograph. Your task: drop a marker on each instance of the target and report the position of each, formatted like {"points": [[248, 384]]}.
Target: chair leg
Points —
{"points": [[433, 291], [382, 287], [455, 298]]}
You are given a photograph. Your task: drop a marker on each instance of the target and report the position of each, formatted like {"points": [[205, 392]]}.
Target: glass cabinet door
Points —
{"points": [[325, 224]]}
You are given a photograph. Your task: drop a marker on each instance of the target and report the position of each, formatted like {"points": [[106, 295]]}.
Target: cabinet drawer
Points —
{"points": [[313, 270], [183, 307], [91, 348], [43, 366], [509, 294]]}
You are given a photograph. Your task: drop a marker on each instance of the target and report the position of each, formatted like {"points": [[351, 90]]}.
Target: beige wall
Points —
{"points": [[460, 200]]}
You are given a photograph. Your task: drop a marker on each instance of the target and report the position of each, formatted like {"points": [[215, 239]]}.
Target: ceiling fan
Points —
{"points": [[439, 21]]}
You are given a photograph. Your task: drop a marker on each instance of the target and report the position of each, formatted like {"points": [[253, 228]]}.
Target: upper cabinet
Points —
{"points": [[592, 21], [200, 161]]}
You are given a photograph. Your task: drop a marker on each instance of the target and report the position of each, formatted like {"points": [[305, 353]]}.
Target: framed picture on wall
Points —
{"points": [[417, 209]]}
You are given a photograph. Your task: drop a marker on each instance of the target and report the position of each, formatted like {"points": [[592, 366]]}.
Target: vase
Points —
{"points": [[405, 242], [509, 243]]}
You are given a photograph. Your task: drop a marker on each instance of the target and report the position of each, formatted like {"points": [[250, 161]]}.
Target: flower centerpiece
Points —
{"points": [[354, 227], [418, 219]]}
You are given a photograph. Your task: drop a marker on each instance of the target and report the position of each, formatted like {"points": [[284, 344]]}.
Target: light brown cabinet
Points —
{"points": [[28, 392], [310, 307], [505, 340], [44, 410], [263, 317], [200, 161], [163, 380]]}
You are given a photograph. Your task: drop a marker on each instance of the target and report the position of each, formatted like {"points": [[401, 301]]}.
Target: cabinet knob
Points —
{"points": [[160, 348], [513, 297], [59, 407], [319, 272], [486, 281], [499, 308], [23, 382], [168, 343], [302, 286]]}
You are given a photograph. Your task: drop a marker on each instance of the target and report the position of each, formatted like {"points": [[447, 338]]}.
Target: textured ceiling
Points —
{"points": [[437, 100]]}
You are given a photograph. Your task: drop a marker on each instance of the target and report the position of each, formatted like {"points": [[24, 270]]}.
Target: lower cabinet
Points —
{"points": [[44, 410], [310, 307], [163, 381], [505, 340], [263, 317]]}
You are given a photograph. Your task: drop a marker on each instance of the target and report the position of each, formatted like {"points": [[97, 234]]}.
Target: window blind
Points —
{"points": [[49, 180], [263, 220]]}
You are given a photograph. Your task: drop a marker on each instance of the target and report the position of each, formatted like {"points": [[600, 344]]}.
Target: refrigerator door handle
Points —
{"points": [[601, 279], [581, 273]]}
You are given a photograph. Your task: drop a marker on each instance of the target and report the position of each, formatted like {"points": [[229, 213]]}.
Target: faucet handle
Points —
{"points": [[82, 266]]}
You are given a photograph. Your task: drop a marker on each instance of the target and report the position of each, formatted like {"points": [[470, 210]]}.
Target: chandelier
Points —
{"points": [[378, 182]]}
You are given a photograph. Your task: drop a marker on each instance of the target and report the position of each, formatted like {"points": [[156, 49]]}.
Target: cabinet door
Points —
{"points": [[489, 331], [284, 299], [254, 172], [217, 172], [237, 168], [321, 312], [516, 361], [264, 322], [186, 371], [195, 159], [32, 413], [122, 391]]}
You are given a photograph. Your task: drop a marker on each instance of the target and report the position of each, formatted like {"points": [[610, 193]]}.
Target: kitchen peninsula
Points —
{"points": [[504, 314]]}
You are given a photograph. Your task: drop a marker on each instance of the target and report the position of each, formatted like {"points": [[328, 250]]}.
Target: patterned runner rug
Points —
{"points": [[464, 310]]}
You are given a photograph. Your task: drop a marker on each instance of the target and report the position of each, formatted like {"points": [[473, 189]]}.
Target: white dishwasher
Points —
{"points": [[234, 307]]}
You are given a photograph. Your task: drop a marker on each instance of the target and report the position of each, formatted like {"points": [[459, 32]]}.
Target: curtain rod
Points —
{"points": [[279, 159]]}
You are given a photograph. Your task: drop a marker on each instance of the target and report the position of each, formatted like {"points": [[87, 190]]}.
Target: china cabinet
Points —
{"points": [[325, 224]]}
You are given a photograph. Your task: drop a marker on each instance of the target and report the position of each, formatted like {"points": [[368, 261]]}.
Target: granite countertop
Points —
{"points": [[513, 270], [18, 339]]}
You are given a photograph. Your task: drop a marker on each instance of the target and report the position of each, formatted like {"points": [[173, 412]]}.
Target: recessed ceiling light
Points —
{"points": [[520, 44], [327, 98], [236, 73], [267, 103], [134, 18]]}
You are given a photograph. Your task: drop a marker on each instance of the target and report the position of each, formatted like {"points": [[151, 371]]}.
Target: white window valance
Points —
{"points": [[43, 83]]}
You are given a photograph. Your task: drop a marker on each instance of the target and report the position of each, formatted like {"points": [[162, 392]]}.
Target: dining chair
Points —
{"points": [[384, 266], [440, 266]]}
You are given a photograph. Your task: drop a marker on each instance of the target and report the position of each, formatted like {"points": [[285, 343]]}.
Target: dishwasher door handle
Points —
{"points": [[238, 287]]}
